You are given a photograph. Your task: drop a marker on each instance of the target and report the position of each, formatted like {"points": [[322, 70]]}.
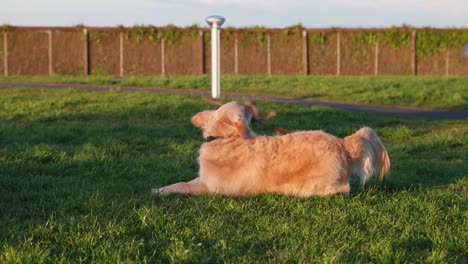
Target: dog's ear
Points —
{"points": [[241, 128], [200, 119], [250, 109]]}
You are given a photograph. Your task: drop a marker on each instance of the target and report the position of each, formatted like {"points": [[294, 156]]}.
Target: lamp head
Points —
{"points": [[215, 19]]}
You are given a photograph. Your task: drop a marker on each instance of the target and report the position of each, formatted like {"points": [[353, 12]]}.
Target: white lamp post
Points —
{"points": [[215, 22]]}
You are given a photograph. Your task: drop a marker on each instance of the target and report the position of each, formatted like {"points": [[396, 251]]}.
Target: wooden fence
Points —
{"points": [[174, 51]]}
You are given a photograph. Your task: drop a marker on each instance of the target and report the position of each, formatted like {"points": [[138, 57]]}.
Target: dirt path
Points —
{"points": [[377, 109]]}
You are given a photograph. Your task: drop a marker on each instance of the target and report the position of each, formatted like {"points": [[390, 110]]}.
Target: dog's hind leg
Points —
{"points": [[194, 187]]}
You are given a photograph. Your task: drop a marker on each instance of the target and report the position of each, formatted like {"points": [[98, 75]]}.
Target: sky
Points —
{"points": [[238, 13]]}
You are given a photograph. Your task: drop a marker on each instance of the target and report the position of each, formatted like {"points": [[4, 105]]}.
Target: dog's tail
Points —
{"points": [[367, 153]]}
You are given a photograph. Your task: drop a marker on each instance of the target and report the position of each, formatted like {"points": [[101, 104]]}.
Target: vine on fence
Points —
{"points": [[361, 39], [170, 33], [207, 36], [320, 39], [430, 42], [294, 29], [6, 28], [361, 43], [396, 37], [259, 36], [228, 33], [98, 36]]}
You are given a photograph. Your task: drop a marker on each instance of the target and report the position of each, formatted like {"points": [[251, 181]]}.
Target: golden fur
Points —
{"points": [[239, 163]]}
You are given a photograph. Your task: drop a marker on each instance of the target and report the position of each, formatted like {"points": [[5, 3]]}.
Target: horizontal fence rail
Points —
{"points": [[166, 51]]}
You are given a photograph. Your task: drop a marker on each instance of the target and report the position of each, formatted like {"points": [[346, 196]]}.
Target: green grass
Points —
{"points": [[425, 91], [76, 170]]}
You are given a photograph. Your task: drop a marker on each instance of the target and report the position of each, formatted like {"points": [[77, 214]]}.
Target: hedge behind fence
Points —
{"points": [[259, 51]]}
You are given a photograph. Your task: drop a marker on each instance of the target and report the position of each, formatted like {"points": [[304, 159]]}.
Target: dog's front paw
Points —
{"points": [[159, 191]]}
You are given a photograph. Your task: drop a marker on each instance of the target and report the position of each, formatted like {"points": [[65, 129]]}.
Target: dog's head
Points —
{"points": [[230, 120]]}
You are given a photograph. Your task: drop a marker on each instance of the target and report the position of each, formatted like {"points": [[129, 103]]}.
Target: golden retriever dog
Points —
{"points": [[234, 161]]}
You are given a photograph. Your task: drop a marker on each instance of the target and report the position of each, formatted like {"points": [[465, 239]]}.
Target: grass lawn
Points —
{"points": [[422, 91], [76, 170]]}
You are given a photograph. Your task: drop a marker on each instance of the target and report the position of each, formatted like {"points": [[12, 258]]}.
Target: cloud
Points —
{"points": [[279, 13], [394, 4], [447, 6], [76, 6], [355, 4], [258, 4], [438, 9]]}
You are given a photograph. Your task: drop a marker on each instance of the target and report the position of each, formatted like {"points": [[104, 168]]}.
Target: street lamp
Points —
{"points": [[215, 22]]}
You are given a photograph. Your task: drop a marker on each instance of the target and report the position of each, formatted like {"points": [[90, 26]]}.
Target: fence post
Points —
{"points": [[51, 58], [338, 54], [121, 40], [305, 53], [269, 54], [414, 62], [447, 63], [86, 52], [236, 53], [376, 59], [163, 59], [5, 53], [202, 51]]}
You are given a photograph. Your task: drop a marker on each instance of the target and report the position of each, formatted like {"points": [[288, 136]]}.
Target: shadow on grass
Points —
{"points": [[87, 170], [158, 145], [110, 138]]}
